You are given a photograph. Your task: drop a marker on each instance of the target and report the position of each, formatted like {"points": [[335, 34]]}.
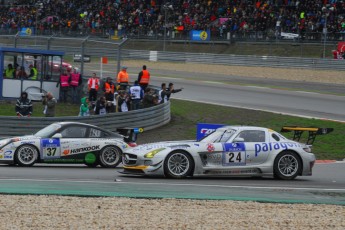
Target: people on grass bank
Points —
{"points": [[64, 85], [123, 78], [165, 93], [75, 81], [49, 103], [23, 105], [93, 86], [84, 107]]}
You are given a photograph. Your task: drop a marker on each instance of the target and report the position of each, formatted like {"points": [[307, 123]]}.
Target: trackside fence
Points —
{"points": [[148, 118]]}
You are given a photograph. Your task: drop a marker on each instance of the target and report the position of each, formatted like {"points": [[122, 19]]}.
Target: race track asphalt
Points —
{"points": [[326, 186]]}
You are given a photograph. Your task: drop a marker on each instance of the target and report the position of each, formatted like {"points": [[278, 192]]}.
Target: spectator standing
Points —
{"points": [[24, 105], [84, 107], [144, 78], [9, 71], [123, 78], [75, 82], [33, 73], [149, 99], [109, 90], [100, 107], [137, 95], [122, 102], [21, 73], [93, 86], [171, 90], [162, 94], [64, 85], [49, 102]]}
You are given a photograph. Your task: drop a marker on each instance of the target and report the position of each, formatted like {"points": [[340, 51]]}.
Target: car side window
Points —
{"points": [[74, 132], [252, 136], [96, 133]]}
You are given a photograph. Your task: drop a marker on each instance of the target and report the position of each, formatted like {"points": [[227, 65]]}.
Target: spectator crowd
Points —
{"points": [[148, 17]]}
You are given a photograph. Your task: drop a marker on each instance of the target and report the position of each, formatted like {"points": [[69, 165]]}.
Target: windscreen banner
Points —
{"points": [[204, 129]]}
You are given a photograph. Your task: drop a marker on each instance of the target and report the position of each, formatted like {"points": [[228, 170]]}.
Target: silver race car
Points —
{"points": [[65, 142], [228, 151]]}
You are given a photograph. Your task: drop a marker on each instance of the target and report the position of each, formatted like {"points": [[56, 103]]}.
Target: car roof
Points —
{"points": [[65, 123], [242, 127]]}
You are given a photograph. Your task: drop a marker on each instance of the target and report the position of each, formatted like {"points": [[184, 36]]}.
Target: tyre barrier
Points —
{"points": [[148, 118]]}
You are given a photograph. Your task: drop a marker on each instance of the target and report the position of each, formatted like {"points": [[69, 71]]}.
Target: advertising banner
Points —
{"points": [[200, 35]]}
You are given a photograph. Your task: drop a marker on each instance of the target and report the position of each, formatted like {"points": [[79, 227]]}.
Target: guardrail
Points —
{"points": [[148, 118]]}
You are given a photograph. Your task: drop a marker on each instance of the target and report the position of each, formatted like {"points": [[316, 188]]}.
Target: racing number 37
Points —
{"points": [[51, 152]]}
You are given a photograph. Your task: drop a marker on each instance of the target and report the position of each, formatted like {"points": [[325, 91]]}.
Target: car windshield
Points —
{"points": [[219, 135], [48, 131]]}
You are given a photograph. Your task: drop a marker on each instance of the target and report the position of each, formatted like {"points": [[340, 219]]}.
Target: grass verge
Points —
{"points": [[185, 116]]}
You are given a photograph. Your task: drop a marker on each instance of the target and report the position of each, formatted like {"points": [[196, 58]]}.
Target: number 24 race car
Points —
{"points": [[65, 142], [228, 151]]}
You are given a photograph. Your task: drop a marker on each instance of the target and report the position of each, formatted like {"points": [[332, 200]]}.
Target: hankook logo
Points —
{"points": [[86, 149]]}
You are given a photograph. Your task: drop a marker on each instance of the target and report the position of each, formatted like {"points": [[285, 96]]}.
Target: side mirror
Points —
{"points": [[238, 139], [57, 135]]}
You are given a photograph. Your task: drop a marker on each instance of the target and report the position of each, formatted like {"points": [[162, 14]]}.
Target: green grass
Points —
{"points": [[61, 109], [185, 116]]}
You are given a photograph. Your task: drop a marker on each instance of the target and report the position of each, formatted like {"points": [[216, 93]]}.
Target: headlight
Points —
{"points": [[153, 153], [307, 149]]}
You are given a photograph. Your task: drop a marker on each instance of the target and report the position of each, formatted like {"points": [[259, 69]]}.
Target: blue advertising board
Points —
{"points": [[204, 129], [26, 31], [200, 35]]}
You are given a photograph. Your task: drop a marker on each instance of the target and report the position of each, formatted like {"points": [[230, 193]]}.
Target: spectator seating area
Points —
{"points": [[148, 17]]}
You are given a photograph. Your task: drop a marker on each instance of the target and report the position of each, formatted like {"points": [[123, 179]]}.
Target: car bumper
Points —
{"points": [[308, 164], [137, 165]]}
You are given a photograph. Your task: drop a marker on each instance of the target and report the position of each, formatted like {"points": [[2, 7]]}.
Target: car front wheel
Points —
{"points": [[110, 157], [178, 165], [26, 155], [287, 165]]}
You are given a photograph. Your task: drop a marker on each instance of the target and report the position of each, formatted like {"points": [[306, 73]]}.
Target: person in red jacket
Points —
{"points": [[123, 78], [144, 78], [64, 85], [75, 81], [93, 86]]}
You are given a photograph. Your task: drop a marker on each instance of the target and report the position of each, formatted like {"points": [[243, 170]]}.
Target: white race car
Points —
{"points": [[228, 151], [65, 142]]}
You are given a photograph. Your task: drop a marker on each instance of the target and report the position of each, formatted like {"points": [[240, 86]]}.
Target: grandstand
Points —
{"points": [[242, 19]]}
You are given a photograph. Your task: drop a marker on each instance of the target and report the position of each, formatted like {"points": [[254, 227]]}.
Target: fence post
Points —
{"points": [[82, 55]]}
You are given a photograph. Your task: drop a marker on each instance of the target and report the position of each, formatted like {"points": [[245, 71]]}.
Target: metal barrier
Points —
{"points": [[148, 118], [111, 49]]}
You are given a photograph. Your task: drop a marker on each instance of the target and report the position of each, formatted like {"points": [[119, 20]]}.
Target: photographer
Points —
{"points": [[150, 99], [122, 101], [49, 102]]}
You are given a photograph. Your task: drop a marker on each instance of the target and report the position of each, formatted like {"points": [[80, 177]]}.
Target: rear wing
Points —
{"points": [[312, 132]]}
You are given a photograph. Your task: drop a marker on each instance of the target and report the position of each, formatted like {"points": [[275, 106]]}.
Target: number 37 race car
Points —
{"points": [[65, 142], [228, 151]]}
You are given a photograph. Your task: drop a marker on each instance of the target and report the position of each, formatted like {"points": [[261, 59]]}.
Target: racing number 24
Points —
{"points": [[51, 152], [232, 156]]}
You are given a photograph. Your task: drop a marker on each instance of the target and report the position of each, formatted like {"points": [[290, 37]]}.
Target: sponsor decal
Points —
{"points": [[234, 171], [266, 147], [234, 154], [85, 149], [8, 153], [210, 147], [66, 152], [90, 158], [27, 142], [179, 146], [61, 160]]}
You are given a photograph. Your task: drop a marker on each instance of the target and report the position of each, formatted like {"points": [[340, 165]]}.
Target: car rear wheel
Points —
{"points": [[178, 165], [110, 157], [287, 166], [26, 155]]}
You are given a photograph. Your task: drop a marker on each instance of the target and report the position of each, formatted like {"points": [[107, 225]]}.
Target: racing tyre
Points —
{"points": [[287, 166], [178, 165], [26, 155], [110, 157]]}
